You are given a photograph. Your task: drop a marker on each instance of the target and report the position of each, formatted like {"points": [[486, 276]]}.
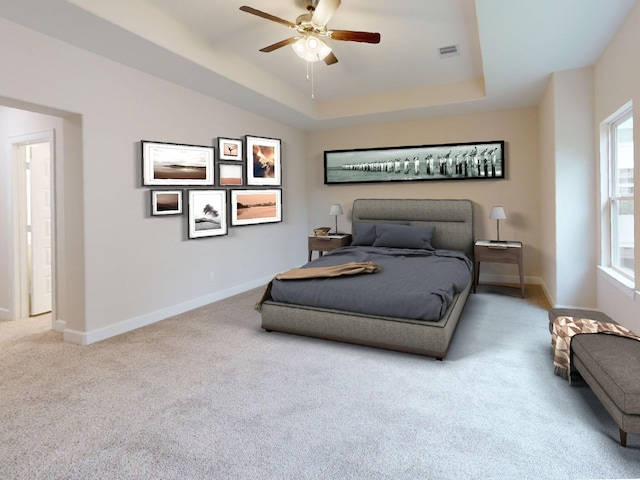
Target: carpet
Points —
{"points": [[209, 395]]}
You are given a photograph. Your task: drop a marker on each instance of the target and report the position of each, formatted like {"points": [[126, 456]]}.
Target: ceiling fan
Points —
{"points": [[311, 27]]}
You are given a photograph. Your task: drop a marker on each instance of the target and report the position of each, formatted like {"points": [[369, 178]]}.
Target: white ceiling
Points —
{"points": [[508, 49]]}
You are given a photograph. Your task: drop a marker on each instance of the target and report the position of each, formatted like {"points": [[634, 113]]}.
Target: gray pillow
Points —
{"points": [[403, 236], [364, 233]]}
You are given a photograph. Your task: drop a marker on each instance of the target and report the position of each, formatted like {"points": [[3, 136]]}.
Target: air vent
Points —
{"points": [[449, 51]]}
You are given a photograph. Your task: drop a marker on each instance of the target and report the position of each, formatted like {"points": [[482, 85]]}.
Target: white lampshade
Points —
{"points": [[311, 48], [336, 209], [497, 213]]}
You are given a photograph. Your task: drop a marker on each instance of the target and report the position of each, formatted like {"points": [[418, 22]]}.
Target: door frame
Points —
{"points": [[20, 307]]}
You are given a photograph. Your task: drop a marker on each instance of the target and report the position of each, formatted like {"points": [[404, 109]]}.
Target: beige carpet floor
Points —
{"points": [[210, 395]]}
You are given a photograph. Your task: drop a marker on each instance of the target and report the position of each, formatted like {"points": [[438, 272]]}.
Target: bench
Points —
{"points": [[610, 365]]}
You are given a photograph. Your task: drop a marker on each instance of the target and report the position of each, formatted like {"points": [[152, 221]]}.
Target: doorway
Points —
{"points": [[33, 159]]}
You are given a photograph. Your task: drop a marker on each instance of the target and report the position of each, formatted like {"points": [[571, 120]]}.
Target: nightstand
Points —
{"points": [[498, 252], [327, 243]]}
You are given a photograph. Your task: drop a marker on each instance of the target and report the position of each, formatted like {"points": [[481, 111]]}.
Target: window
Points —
{"points": [[620, 195]]}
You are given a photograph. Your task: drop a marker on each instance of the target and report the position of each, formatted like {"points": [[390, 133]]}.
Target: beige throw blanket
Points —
{"points": [[351, 268], [564, 328]]}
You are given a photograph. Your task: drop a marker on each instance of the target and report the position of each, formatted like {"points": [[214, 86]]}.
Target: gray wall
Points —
{"points": [[135, 269]]}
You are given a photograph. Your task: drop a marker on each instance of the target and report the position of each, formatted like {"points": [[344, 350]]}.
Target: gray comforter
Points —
{"points": [[412, 283]]}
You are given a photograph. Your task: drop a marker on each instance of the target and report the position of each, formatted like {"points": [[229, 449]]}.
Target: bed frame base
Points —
{"points": [[431, 339]]}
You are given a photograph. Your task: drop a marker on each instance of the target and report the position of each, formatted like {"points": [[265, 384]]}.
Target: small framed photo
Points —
{"points": [[263, 161], [207, 213], [229, 149], [230, 174], [166, 202], [174, 164], [252, 207]]}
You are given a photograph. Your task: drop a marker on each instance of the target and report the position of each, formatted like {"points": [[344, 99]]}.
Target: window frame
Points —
{"points": [[613, 199]]}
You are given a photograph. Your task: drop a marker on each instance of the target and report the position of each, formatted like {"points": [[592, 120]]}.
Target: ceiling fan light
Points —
{"points": [[311, 48]]}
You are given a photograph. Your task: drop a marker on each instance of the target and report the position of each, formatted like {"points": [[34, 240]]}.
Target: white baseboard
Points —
{"points": [[59, 325], [92, 336], [5, 314]]}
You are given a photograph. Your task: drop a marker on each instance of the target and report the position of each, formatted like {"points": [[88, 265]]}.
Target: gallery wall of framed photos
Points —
{"points": [[236, 187]]}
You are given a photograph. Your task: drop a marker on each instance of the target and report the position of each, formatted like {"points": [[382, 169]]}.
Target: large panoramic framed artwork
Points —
{"points": [[165, 164], [263, 161], [252, 207], [207, 213], [452, 161]]}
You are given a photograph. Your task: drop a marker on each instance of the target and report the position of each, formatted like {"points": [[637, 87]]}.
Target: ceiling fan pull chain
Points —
{"points": [[312, 90]]}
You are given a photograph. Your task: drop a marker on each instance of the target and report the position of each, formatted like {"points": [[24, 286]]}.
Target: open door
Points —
{"points": [[39, 227]]}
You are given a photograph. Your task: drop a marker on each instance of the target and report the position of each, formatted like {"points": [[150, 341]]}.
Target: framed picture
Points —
{"points": [[229, 149], [452, 161], [263, 161], [251, 207], [166, 202], [230, 174], [176, 164], [207, 213]]}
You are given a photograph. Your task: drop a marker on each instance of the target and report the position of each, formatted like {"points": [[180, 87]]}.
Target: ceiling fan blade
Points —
{"points": [[268, 16], [324, 11], [352, 36], [278, 45], [330, 59]]}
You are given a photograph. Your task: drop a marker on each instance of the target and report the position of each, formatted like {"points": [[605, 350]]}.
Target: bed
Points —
{"points": [[451, 225]]}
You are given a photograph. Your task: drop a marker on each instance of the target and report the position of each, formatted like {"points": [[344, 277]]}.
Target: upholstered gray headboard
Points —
{"points": [[453, 219]]}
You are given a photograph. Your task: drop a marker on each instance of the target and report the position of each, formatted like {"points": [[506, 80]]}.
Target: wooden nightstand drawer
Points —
{"points": [[328, 243], [494, 252]]}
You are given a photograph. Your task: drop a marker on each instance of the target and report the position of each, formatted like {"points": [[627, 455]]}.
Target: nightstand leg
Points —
{"points": [[521, 278]]}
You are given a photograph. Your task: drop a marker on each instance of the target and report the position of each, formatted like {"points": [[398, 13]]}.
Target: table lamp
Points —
{"points": [[497, 214], [335, 210]]}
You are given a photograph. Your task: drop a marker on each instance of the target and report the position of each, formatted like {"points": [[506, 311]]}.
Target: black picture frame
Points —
{"points": [[263, 161], [256, 206], [449, 161], [207, 213], [166, 202], [230, 149], [176, 164]]}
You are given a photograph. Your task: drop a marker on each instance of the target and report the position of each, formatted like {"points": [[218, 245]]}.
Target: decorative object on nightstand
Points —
{"points": [[335, 210], [494, 252], [497, 214]]}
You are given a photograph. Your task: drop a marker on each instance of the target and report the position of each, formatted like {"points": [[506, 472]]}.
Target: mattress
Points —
{"points": [[417, 284]]}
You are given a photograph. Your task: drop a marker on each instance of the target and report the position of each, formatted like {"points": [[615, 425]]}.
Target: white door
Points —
{"points": [[39, 220]]}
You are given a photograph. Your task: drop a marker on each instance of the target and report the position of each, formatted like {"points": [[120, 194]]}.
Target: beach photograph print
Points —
{"points": [[207, 213], [166, 202], [263, 161], [175, 164], [252, 207], [460, 161], [230, 174]]}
